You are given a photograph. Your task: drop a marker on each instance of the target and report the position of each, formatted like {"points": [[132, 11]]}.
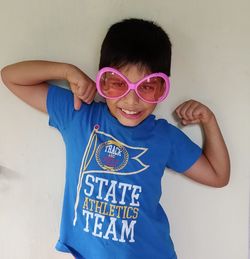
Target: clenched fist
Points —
{"points": [[83, 87], [192, 112]]}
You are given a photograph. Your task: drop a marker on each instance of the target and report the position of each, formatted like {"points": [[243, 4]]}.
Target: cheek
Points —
{"points": [[112, 104], [150, 107]]}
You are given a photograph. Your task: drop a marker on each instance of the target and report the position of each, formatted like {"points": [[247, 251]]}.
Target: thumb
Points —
{"points": [[77, 102], [188, 122]]}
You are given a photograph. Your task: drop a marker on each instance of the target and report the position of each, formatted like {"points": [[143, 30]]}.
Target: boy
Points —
{"points": [[116, 152]]}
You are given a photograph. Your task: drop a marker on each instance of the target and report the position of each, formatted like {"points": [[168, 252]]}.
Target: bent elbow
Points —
{"points": [[3, 76], [222, 182]]}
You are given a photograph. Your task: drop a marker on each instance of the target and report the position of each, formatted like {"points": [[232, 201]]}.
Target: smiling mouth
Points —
{"points": [[129, 114]]}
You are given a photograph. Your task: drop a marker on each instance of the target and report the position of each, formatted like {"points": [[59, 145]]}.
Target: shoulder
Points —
{"points": [[58, 95], [64, 94], [170, 133], [162, 125], [60, 101], [56, 89]]}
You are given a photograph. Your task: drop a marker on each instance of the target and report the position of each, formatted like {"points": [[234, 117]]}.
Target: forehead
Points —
{"points": [[134, 72], [138, 68]]}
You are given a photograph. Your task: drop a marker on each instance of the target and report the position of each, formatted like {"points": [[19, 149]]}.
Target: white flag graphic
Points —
{"points": [[107, 155]]}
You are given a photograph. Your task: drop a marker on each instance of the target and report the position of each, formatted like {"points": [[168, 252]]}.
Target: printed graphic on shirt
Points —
{"points": [[111, 155], [107, 207]]}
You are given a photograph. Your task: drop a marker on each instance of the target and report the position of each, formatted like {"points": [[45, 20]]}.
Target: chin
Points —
{"points": [[129, 123]]}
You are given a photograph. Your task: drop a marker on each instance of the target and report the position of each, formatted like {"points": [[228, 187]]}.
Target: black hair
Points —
{"points": [[137, 41]]}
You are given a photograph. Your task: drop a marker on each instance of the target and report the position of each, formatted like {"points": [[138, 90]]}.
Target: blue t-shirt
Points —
{"points": [[111, 206]]}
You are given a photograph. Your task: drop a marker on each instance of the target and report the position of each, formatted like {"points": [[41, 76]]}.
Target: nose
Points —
{"points": [[131, 97]]}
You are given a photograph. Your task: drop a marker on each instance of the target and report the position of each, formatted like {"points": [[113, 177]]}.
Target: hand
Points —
{"points": [[83, 88], [192, 112]]}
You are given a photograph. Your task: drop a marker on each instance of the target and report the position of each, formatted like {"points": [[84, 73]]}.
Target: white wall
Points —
{"points": [[211, 63]]}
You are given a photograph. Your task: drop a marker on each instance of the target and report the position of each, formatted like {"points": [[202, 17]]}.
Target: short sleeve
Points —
{"points": [[183, 151], [60, 107]]}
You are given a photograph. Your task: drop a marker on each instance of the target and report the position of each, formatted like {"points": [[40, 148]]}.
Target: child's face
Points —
{"points": [[130, 110]]}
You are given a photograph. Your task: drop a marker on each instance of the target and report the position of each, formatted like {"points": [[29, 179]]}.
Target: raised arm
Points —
{"points": [[213, 167], [27, 80]]}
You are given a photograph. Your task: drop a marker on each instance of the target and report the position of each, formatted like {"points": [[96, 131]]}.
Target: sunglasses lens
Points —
{"points": [[152, 89], [112, 85]]}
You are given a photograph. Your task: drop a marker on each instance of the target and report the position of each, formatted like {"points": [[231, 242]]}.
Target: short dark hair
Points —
{"points": [[137, 41]]}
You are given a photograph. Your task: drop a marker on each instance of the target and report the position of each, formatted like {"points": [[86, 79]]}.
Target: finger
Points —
{"points": [[73, 88], [79, 87], [178, 109], [80, 90], [203, 113], [77, 102], [88, 91], [182, 110], [91, 96], [197, 112], [192, 111]]}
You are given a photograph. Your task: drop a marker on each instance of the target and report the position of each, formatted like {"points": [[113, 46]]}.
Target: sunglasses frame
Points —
{"points": [[132, 86]]}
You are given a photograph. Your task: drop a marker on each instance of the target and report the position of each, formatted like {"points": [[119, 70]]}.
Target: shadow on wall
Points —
{"points": [[6, 177]]}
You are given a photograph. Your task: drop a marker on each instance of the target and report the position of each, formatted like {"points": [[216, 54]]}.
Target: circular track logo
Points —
{"points": [[111, 155]]}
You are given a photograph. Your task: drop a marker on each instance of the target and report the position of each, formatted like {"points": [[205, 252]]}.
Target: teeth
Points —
{"points": [[129, 112]]}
